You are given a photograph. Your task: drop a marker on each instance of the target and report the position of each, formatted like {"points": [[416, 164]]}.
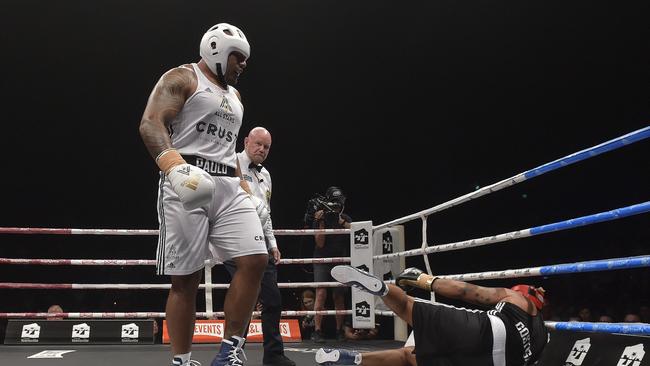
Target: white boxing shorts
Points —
{"points": [[226, 228]]}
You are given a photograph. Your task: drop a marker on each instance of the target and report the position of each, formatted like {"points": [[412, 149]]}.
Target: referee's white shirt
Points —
{"points": [[260, 185]]}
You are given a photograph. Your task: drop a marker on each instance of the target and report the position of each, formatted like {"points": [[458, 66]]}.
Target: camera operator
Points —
{"points": [[326, 212]]}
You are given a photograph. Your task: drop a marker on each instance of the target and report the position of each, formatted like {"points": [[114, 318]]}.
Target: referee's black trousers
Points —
{"points": [[271, 300]]}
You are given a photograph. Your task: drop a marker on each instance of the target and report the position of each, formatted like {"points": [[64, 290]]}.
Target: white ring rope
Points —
{"points": [[143, 286], [145, 262], [119, 232], [588, 266], [99, 315]]}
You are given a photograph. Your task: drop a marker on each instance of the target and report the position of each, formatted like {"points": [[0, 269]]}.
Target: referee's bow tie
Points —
{"points": [[255, 166]]}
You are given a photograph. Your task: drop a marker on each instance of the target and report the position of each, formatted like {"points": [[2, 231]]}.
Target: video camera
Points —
{"points": [[331, 204]]}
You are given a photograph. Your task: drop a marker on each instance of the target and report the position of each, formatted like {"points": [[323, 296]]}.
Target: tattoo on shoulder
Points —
{"points": [[175, 82]]}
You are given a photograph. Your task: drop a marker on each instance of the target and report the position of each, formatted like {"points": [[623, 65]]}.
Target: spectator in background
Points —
{"points": [[326, 212], [605, 319], [307, 299], [632, 318], [55, 309], [585, 315], [157, 337]]}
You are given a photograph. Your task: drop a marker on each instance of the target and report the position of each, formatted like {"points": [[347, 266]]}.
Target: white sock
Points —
{"points": [[358, 359], [184, 358], [386, 291]]}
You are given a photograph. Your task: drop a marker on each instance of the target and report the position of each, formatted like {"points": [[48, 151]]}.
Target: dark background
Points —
{"points": [[404, 104]]}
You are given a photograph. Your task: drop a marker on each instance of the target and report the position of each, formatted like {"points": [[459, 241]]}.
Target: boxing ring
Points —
{"points": [[303, 352]]}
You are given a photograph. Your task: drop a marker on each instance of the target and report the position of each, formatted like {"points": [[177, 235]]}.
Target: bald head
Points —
{"points": [[258, 144], [55, 309], [259, 131]]}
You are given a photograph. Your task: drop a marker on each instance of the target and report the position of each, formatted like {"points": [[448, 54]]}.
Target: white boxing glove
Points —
{"points": [[262, 210], [194, 186]]}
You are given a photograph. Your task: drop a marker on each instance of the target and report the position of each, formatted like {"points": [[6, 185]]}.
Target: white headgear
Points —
{"points": [[217, 44]]}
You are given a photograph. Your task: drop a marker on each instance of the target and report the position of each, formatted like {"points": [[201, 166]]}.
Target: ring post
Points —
{"points": [[390, 240], [363, 303], [209, 309]]}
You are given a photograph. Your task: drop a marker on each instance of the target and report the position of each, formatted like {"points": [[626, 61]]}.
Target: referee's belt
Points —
{"points": [[213, 168]]}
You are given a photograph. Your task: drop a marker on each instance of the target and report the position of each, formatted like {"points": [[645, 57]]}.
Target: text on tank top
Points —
{"points": [[526, 335], [209, 122]]}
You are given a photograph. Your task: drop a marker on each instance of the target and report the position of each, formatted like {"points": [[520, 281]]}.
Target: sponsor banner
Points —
{"points": [[387, 241], [211, 331], [361, 250], [570, 348], [79, 331]]}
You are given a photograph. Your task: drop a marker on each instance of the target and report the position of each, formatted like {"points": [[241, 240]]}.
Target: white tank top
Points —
{"points": [[209, 122]]}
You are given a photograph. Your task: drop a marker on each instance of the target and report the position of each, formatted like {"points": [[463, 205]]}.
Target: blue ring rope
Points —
{"points": [[590, 152], [610, 145], [592, 219], [622, 328], [597, 265]]}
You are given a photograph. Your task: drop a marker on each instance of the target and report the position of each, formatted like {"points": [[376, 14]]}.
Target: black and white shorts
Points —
{"points": [[226, 228], [447, 335]]}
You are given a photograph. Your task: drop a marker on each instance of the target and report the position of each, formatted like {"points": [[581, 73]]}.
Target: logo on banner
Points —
{"points": [[209, 329], [362, 309], [130, 332], [255, 329], [285, 329], [361, 238], [632, 356], [81, 332], [50, 354], [30, 333], [386, 243], [578, 352]]}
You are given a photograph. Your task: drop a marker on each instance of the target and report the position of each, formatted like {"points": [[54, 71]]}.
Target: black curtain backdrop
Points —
{"points": [[403, 104]]}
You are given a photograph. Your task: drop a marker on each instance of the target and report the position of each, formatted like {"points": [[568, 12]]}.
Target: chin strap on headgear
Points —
{"points": [[535, 295], [218, 43]]}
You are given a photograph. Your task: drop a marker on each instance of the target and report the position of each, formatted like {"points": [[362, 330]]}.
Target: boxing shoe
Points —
{"points": [[231, 352], [413, 277], [359, 279], [329, 356]]}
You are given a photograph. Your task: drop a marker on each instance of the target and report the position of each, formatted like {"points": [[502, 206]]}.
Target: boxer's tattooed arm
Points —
{"points": [[166, 100], [468, 292]]}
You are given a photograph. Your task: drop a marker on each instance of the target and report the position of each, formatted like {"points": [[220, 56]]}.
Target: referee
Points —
{"points": [[258, 179]]}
